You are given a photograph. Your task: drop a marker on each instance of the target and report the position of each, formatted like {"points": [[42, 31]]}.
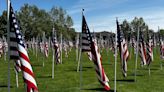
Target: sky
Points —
{"points": [[101, 14]]}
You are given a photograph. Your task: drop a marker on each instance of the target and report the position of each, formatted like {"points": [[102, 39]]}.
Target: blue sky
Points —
{"points": [[101, 14]]}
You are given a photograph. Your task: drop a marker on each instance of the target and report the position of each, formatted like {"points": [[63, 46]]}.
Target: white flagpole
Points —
{"points": [[16, 76], [53, 57], [131, 43], [36, 46], [49, 45], [79, 61], [115, 67], [33, 45], [43, 40], [77, 47], [81, 58], [137, 52], [149, 70], [78, 55], [148, 41], [8, 38], [61, 44], [53, 63]]}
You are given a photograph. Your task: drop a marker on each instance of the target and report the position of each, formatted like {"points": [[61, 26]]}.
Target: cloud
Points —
{"points": [[153, 16], [91, 5]]}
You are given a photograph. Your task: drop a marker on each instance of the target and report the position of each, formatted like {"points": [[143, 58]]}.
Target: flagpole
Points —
{"points": [[43, 44], [148, 52], [36, 46], [61, 47], [53, 64], [137, 53], [8, 39], [131, 42], [77, 47], [79, 61], [162, 50], [49, 45], [33, 45], [115, 67], [81, 58], [148, 42], [16, 77], [53, 57], [149, 70]]}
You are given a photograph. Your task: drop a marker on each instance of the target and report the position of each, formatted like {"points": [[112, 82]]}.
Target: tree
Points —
{"points": [[3, 23], [69, 21], [62, 22], [126, 28], [35, 21], [161, 33], [139, 24]]}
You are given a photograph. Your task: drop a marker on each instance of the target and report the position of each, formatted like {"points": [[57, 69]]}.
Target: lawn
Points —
{"points": [[67, 79]]}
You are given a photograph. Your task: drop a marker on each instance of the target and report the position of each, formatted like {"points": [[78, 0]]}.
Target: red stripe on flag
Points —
{"points": [[30, 86], [24, 56], [25, 69]]}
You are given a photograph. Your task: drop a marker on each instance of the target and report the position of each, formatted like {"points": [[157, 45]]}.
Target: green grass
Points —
{"points": [[66, 78]]}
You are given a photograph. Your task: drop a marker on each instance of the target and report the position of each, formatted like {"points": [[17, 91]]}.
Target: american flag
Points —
{"points": [[26, 68], [13, 41], [18, 65], [124, 53], [142, 50], [46, 49], [89, 45], [1, 48], [65, 47], [149, 45], [89, 55], [14, 55], [56, 47], [86, 37], [161, 49], [41, 47], [112, 48], [134, 44]]}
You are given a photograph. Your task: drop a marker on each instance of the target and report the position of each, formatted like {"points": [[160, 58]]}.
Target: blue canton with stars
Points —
{"points": [[17, 28]]}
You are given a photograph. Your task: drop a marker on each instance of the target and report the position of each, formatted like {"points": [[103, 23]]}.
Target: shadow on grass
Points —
{"points": [[124, 80], [153, 69], [87, 67], [148, 69], [136, 75], [99, 90], [45, 76], [5, 86]]}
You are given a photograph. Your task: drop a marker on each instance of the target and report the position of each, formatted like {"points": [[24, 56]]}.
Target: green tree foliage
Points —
{"points": [[3, 23], [139, 24], [126, 28], [62, 22], [131, 28], [35, 21], [161, 33]]}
